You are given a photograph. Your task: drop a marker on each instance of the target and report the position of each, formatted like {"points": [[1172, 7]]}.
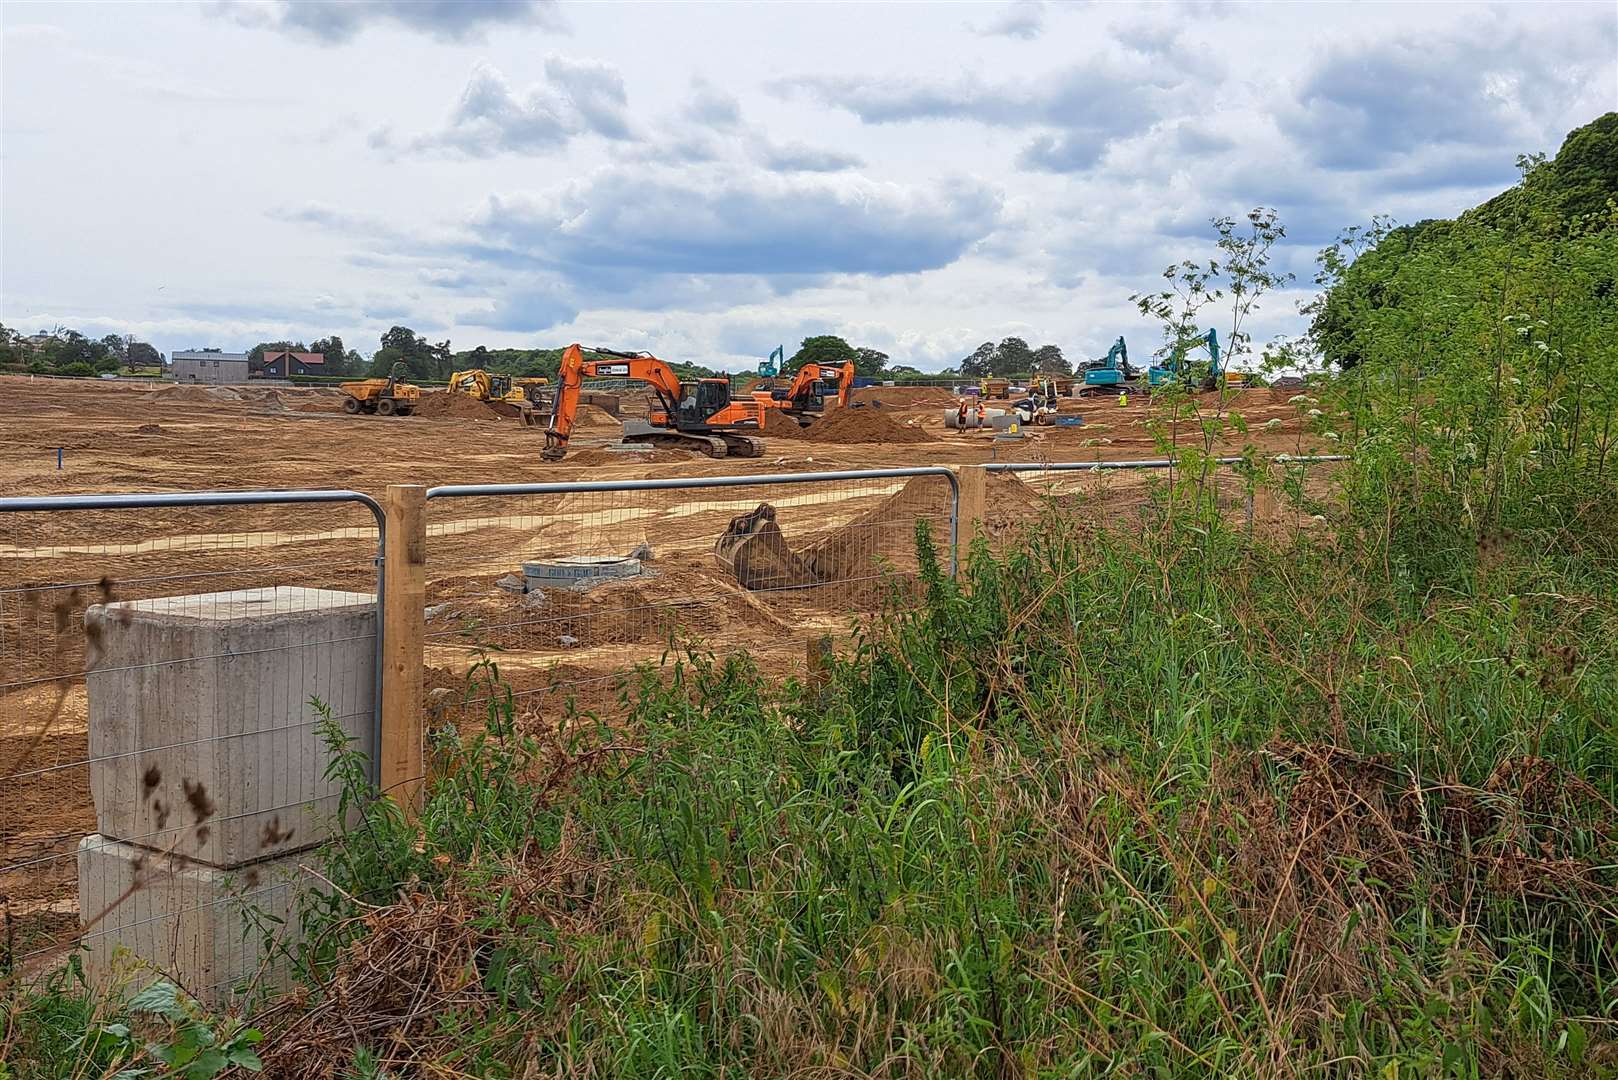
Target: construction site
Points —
{"points": [[566, 592]]}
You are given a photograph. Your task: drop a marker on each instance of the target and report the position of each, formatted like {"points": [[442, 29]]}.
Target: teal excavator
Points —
{"points": [[1176, 368], [769, 369], [1113, 370]]}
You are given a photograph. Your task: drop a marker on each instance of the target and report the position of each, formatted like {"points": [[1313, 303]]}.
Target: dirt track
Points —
{"points": [[117, 437]]}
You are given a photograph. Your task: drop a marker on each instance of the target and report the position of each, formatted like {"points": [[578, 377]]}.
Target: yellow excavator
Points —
{"points": [[494, 386]]}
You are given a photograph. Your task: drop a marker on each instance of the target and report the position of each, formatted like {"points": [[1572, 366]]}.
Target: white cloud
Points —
{"points": [[577, 97], [334, 22], [710, 181], [1019, 19]]}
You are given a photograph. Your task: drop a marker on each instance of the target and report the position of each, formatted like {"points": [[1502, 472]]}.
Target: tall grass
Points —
{"points": [[1100, 808]]}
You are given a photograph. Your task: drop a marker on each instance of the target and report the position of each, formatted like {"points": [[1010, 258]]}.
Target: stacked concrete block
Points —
{"points": [[213, 931], [206, 758]]}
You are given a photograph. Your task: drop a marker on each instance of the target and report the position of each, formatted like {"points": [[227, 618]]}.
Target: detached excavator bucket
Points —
{"points": [[755, 552]]}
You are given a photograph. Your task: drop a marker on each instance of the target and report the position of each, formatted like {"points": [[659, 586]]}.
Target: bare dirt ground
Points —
{"points": [[125, 438]]}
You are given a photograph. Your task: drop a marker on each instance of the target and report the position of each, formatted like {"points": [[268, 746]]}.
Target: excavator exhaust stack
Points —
{"points": [[754, 551]]}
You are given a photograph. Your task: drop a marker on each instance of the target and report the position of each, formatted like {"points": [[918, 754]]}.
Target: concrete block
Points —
{"points": [[202, 738], [579, 571], [209, 930]]}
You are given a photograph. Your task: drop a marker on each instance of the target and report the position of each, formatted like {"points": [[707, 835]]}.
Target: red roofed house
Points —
{"points": [[284, 365]]}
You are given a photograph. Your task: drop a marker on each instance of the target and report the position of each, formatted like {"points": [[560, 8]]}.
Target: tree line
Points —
{"points": [[68, 352]]}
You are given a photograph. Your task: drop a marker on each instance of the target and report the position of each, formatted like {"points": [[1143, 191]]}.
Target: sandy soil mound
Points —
{"points": [[444, 405], [885, 534], [861, 426], [193, 394]]}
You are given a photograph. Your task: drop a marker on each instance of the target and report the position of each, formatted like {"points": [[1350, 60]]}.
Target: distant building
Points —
{"points": [[209, 366], [284, 365]]}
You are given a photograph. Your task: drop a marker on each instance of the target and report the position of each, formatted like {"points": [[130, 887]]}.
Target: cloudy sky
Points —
{"points": [[709, 181]]}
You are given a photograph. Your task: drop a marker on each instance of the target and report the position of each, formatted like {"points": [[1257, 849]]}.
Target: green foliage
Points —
{"points": [[529, 363], [1239, 274], [1363, 272], [68, 352], [63, 1030], [422, 360], [1062, 818], [824, 349], [1484, 377], [830, 350], [870, 362], [1013, 357]]}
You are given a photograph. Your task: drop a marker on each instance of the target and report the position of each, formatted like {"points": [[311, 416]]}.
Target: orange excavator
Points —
{"points": [[694, 415], [805, 398]]}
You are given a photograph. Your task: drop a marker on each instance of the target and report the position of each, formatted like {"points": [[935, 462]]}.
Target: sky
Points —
{"points": [[708, 181]]}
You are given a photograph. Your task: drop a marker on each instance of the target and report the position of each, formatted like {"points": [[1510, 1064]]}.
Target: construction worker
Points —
{"points": [[1123, 398], [980, 412], [960, 416]]}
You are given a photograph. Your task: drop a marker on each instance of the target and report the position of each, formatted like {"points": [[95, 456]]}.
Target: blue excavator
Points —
{"points": [[1111, 370], [1175, 367]]}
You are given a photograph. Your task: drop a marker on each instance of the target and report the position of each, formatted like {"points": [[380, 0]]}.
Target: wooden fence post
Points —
{"points": [[403, 629], [974, 481]]}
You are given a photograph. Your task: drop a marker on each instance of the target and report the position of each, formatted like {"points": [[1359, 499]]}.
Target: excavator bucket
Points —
{"points": [[755, 553]]}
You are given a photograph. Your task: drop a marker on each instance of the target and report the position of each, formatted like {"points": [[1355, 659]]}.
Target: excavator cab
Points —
{"points": [[703, 399]]}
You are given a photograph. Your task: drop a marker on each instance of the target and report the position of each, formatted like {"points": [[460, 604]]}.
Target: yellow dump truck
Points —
{"points": [[384, 397]]}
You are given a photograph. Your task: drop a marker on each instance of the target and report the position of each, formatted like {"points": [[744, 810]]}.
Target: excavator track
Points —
{"points": [[711, 445], [743, 446]]}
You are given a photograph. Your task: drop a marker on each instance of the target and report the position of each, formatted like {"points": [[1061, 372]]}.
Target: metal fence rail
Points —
{"points": [[848, 537], [158, 751]]}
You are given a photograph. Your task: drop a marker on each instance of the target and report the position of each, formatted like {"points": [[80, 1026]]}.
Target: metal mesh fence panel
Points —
{"points": [[1281, 498], [568, 587], [159, 749]]}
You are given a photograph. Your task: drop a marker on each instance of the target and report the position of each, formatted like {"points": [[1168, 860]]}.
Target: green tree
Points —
{"points": [[337, 357], [824, 349], [1048, 360], [422, 359], [1240, 274], [869, 362], [12, 351], [980, 363], [1361, 272], [143, 354], [1011, 357]]}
